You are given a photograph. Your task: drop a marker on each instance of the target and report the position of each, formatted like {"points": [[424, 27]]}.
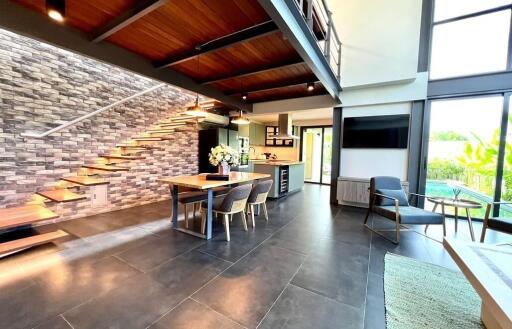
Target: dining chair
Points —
{"points": [[388, 199], [232, 203], [188, 196], [257, 197], [495, 223]]}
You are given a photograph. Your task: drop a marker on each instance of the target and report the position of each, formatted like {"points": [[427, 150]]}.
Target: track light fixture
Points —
{"points": [[56, 9]]}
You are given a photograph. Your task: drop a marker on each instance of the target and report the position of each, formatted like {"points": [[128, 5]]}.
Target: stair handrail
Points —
{"points": [[88, 115]]}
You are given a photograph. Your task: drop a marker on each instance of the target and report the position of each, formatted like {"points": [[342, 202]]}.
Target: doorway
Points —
{"points": [[316, 152]]}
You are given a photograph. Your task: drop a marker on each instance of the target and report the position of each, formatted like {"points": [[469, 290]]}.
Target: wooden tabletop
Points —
{"points": [[200, 182], [489, 270]]}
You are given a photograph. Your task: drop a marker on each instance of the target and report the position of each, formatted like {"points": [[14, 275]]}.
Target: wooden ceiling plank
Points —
{"points": [[254, 72], [141, 9], [244, 35], [280, 85]]}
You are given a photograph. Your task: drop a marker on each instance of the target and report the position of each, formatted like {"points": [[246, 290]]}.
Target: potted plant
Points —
{"points": [[224, 157]]}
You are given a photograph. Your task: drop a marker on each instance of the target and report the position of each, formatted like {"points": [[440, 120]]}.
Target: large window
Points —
{"points": [[470, 37]]}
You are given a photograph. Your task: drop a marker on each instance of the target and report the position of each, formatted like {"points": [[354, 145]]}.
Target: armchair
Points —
{"points": [[388, 199], [495, 223]]}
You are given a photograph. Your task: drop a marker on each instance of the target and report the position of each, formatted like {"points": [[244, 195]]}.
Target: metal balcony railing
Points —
{"points": [[319, 19]]}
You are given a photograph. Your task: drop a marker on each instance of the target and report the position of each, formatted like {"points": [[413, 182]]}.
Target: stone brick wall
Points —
{"points": [[42, 87]]}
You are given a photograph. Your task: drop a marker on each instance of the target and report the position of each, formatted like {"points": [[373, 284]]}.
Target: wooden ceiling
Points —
{"points": [[241, 49]]}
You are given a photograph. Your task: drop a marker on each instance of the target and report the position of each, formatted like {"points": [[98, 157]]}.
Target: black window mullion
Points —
{"points": [[501, 151]]}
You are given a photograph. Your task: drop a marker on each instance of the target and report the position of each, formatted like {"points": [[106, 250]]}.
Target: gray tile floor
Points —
{"points": [[312, 265]]}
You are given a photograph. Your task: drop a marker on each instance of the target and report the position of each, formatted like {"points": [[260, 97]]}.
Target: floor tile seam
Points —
{"points": [[281, 293], [215, 256], [128, 264], [367, 279], [327, 297], [66, 320], [240, 259], [165, 313], [219, 313], [168, 260]]}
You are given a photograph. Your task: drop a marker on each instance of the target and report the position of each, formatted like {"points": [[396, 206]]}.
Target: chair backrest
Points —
{"points": [[260, 191], [236, 199], [389, 184]]}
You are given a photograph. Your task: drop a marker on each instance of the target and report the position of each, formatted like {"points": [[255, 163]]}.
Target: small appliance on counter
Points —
{"points": [[243, 148], [270, 156]]}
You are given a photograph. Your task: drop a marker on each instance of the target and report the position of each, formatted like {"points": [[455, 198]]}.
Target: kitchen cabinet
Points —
{"points": [[255, 132]]}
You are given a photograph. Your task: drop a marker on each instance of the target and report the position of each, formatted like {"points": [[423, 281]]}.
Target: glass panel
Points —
{"points": [[452, 8], [506, 187], [311, 154], [463, 150], [327, 150], [470, 46]]}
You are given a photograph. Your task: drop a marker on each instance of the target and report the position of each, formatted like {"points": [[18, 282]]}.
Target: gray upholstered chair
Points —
{"points": [[257, 197], [234, 202], [495, 223], [388, 199], [188, 196]]}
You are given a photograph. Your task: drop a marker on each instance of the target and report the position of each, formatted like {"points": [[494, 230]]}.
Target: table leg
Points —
{"points": [[456, 218], [209, 215], [174, 200], [470, 223]]}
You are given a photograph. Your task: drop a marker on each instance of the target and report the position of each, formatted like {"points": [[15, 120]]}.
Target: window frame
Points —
{"points": [[461, 18]]}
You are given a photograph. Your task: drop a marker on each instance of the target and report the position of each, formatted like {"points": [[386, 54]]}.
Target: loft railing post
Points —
{"points": [[327, 50], [339, 64], [309, 14]]}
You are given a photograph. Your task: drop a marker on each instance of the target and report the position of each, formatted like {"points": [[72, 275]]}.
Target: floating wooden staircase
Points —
{"points": [[27, 215]]}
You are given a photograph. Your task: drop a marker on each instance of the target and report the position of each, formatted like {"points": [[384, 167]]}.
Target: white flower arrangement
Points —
{"points": [[224, 155]]}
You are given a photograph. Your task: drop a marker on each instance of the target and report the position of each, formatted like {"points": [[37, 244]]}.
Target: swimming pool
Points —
{"points": [[442, 189]]}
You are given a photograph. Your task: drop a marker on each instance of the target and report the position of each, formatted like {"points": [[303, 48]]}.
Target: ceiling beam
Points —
{"points": [[295, 29], [34, 25], [229, 40], [248, 73], [140, 9], [278, 85]]}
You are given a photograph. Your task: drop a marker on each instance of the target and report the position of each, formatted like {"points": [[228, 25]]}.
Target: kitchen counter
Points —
{"points": [[288, 176]]}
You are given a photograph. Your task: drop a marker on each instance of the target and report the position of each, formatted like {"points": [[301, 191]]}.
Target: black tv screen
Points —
{"points": [[386, 131]]}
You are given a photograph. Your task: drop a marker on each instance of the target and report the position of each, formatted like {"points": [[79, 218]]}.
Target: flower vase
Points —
{"points": [[224, 169]]}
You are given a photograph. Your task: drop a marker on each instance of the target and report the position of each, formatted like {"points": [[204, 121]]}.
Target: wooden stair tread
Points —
{"points": [[31, 241], [134, 147], [105, 167], [124, 157], [24, 215], [61, 195], [161, 131], [85, 180], [148, 139], [172, 124]]}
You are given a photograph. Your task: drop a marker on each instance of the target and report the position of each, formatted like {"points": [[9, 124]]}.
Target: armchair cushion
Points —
{"points": [[397, 194], [500, 224], [410, 215]]}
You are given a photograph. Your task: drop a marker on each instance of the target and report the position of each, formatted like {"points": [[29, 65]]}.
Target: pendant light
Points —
{"points": [[197, 110], [56, 9], [240, 119]]}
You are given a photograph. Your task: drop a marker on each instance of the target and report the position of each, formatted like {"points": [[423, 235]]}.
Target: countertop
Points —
{"points": [[278, 163]]}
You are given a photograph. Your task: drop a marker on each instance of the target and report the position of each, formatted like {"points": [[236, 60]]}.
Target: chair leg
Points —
{"points": [[231, 218], [186, 215], [203, 220], [264, 206], [226, 226], [367, 215], [244, 220], [252, 216], [397, 227], [482, 237]]}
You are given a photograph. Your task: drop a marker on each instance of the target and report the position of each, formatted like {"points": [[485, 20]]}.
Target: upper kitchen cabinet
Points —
{"points": [[255, 132]]}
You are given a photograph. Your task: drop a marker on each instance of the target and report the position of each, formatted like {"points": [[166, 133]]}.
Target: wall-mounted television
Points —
{"points": [[384, 131]]}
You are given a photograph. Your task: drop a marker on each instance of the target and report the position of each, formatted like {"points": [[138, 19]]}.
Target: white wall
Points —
{"points": [[380, 40], [365, 163]]}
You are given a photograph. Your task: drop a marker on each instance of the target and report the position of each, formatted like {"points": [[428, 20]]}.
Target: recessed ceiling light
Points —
{"points": [[311, 86], [56, 9], [244, 96]]}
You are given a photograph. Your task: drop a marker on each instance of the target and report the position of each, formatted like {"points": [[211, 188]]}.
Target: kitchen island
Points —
{"points": [[288, 176]]}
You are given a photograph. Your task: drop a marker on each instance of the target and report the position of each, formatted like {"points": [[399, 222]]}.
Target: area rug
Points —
{"points": [[420, 295]]}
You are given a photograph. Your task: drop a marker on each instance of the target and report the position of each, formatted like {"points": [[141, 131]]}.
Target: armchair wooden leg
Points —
{"points": [[226, 226], [367, 215], [265, 212], [244, 220], [252, 216], [482, 237]]}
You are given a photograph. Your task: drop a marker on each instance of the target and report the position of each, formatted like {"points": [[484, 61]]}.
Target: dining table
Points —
{"points": [[200, 182]]}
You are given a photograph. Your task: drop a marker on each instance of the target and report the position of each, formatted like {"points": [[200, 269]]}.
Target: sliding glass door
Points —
{"points": [[316, 143], [467, 150]]}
